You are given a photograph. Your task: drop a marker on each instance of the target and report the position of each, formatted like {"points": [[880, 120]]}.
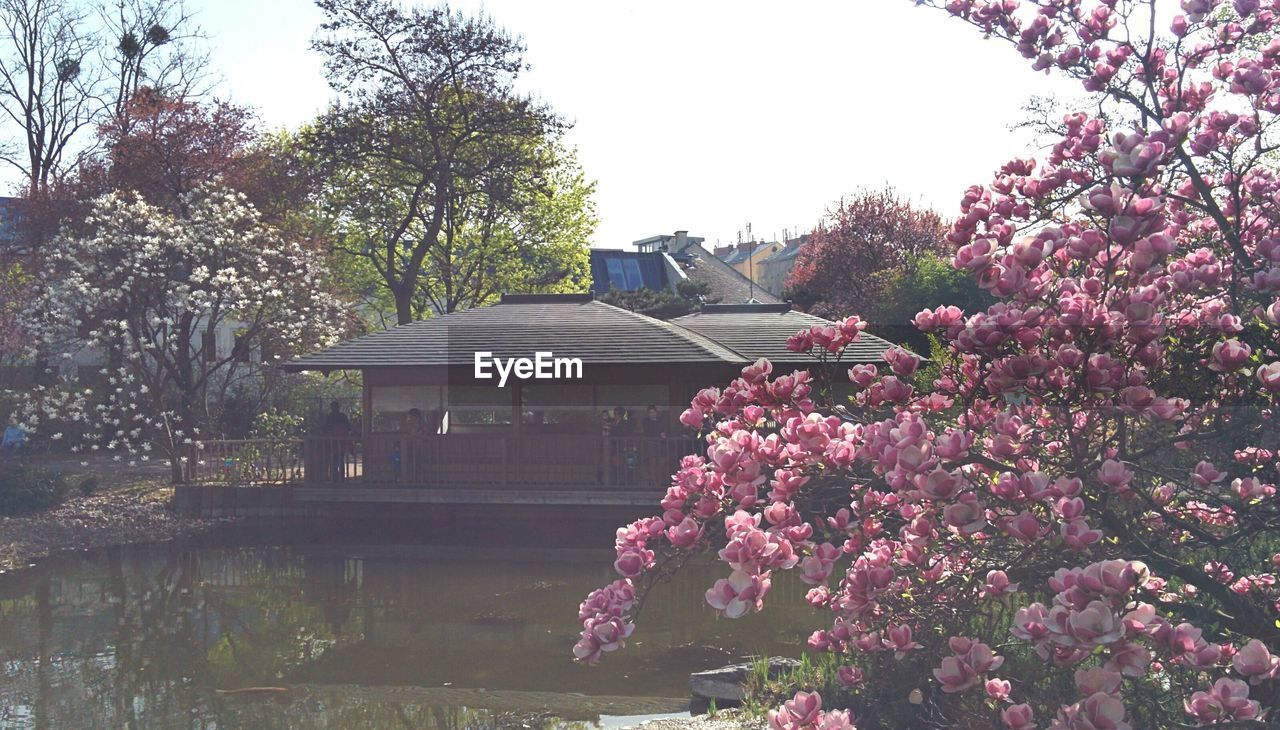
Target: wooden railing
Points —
{"points": [[247, 461], [546, 461]]}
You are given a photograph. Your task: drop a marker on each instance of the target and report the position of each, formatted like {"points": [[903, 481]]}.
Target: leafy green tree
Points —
{"points": [[533, 240], [927, 281], [441, 176]]}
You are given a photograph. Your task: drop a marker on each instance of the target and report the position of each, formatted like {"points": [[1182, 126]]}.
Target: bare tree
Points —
{"points": [[48, 86], [155, 44], [65, 70]]}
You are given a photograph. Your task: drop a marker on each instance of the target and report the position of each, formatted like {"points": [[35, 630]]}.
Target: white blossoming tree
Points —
{"points": [[146, 288]]}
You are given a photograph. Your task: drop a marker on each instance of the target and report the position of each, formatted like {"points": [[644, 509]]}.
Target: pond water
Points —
{"points": [[350, 628]]}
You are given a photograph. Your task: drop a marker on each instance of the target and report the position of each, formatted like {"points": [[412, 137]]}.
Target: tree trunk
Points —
{"points": [[404, 306]]}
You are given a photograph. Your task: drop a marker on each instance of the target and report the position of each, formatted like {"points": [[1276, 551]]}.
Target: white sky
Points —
{"points": [[706, 115]]}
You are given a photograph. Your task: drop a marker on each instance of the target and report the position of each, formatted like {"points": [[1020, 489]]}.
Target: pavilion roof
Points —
{"points": [[575, 325], [761, 330], [568, 325]]}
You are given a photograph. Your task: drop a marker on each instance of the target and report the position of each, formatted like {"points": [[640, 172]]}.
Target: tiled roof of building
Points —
{"points": [[569, 325], [574, 325], [762, 331], [727, 285], [787, 252]]}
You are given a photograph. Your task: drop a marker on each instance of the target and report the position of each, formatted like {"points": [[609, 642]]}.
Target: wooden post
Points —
{"points": [[506, 445], [366, 405], [607, 460]]}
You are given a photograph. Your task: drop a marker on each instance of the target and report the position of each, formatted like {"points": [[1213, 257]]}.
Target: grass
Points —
{"points": [[765, 690]]}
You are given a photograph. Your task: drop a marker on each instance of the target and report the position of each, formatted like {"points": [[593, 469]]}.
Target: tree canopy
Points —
{"points": [[441, 176]]}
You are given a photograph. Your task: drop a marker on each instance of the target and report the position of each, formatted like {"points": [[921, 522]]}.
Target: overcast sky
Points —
{"points": [[709, 115]]}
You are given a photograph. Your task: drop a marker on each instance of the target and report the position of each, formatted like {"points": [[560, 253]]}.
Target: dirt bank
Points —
{"points": [[115, 517]]}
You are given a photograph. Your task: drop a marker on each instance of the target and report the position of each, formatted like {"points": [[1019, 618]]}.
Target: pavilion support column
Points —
{"points": [[510, 444], [366, 405]]}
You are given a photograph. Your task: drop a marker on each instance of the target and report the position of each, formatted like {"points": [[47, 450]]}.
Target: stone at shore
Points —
{"points": [[726, 683]]}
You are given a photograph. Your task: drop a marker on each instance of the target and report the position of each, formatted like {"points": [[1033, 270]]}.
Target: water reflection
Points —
{"points": [[370, 633]]}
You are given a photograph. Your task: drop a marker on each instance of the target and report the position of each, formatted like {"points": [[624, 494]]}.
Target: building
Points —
{"points": [[437, 427], [773, 272], [661, 262], [746, 257]]}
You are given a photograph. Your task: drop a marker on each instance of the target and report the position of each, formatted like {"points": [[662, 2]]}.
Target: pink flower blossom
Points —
{"points": [[739, 594], [1018, 717], [1228, 699]]}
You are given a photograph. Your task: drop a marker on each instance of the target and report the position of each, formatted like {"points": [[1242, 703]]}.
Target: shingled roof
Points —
{"points": [[569, 325], [761, 330], [726, 283], [575, 325]]}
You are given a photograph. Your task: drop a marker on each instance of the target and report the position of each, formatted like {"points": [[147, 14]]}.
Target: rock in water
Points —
{"points": [[726, 683]]}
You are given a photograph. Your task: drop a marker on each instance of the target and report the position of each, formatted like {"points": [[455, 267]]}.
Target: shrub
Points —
{"points": [[25, 489]]}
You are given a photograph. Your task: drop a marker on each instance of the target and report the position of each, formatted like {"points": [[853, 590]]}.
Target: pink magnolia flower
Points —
{"points": [[632, 562], [955, 675], [1229, 355], [965, 668], [998, 689], [835, 720], [685, 534], [801, 712], [1129, 659], [1094, 625], [1077, 535], [1114, 474], [815, 568], [901, 361], [1228, 699], [1206, 474], [602, 634], [898, 638], [1269, 376], [862, 375], [849, 676], [1029, 623], [1098, 679], [1254, 661], [997, 584], [966, 516], [1018, 717], [1100, 711], [738, 594], [1024, 527]]}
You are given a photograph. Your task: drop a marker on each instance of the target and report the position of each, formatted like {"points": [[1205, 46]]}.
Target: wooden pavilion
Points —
{"points": [[430, 430]]}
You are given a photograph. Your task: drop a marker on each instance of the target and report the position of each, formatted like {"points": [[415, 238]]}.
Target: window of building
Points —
{"points": [[634, 401], [561, 407], [632, 269], [617, 278], [477, 406], [392, 403]]}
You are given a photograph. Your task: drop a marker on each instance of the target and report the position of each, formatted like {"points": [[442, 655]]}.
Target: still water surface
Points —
{"points": [[361, 628]]}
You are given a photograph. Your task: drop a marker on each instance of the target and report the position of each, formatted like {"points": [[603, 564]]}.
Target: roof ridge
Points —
{"points": [[684, 332]]}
